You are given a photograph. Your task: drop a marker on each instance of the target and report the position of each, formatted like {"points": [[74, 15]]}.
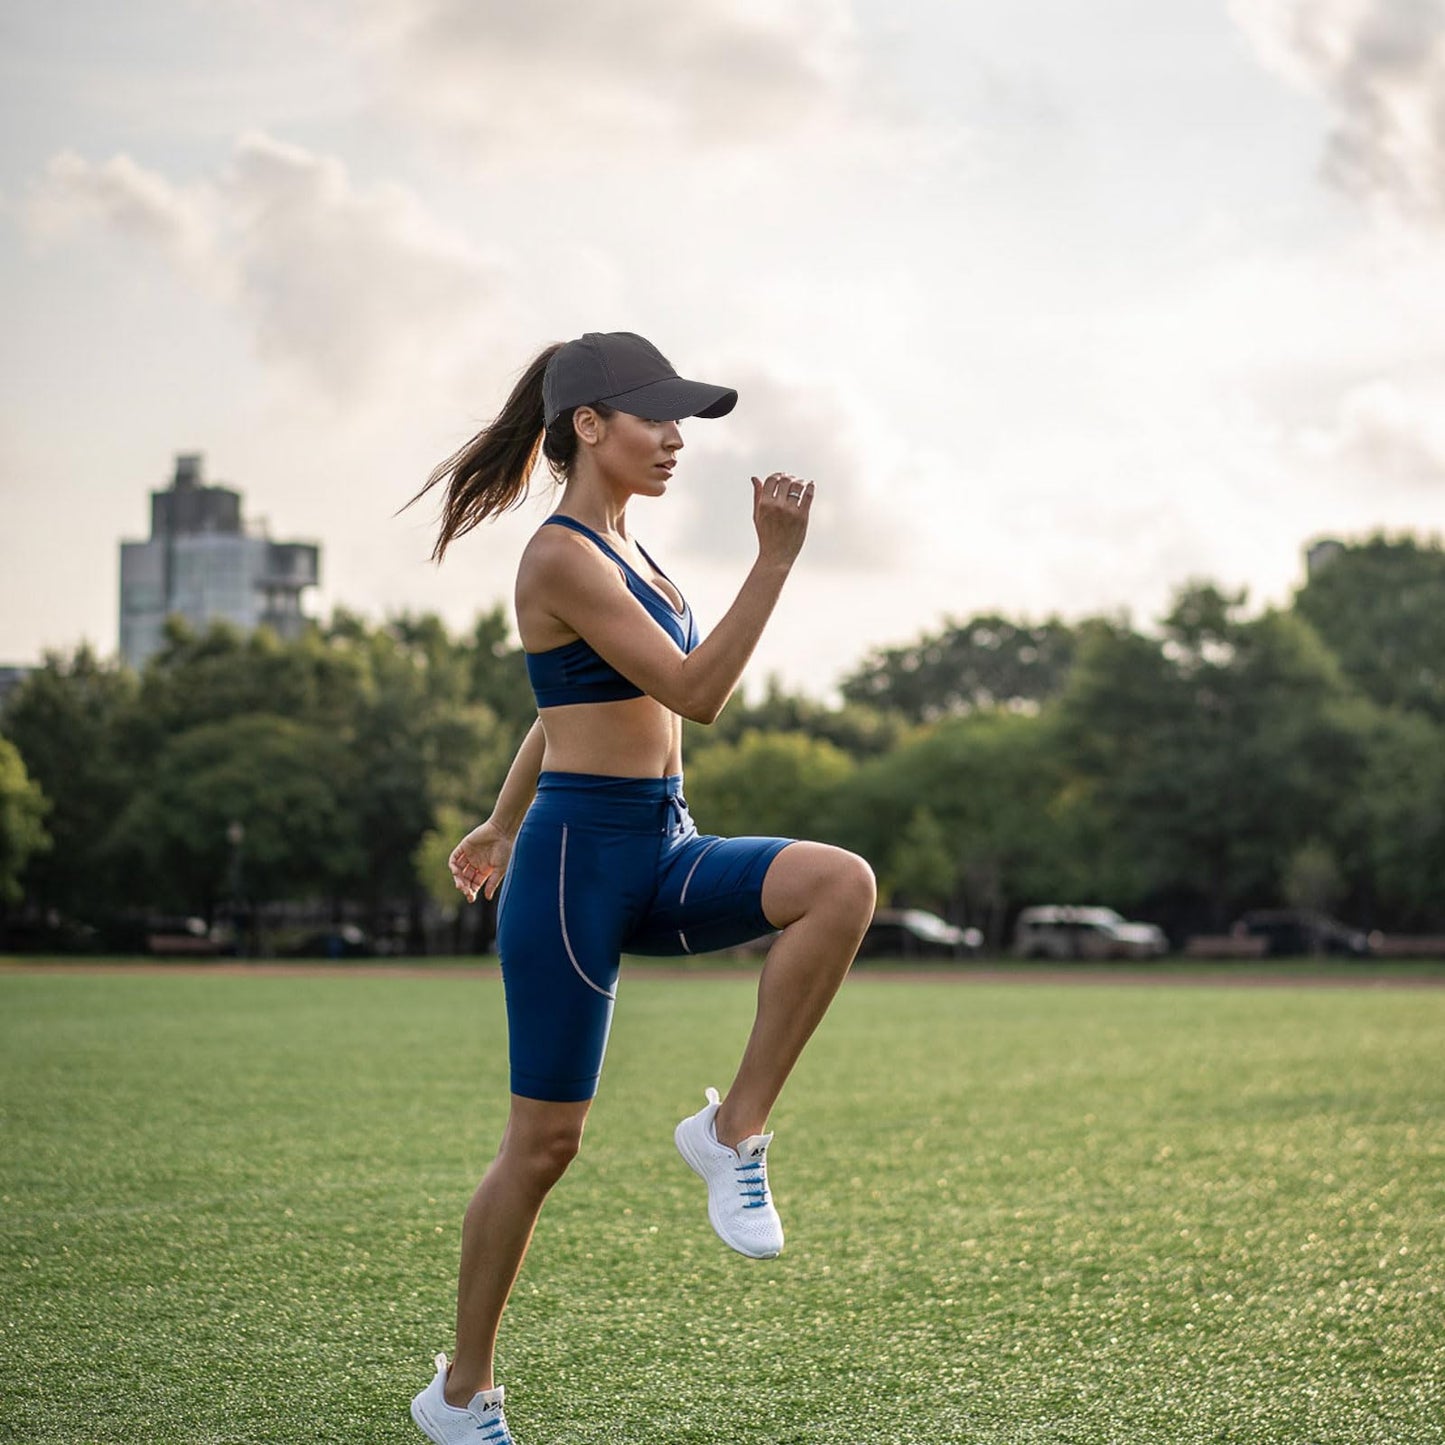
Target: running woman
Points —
{"points": [[590, 840]]}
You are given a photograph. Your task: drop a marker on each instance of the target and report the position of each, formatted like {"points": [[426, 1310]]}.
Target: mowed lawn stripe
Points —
{"points": [[229, 1211]]}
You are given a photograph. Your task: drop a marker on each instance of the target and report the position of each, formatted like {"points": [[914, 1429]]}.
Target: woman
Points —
{"points": [[590, 838]]}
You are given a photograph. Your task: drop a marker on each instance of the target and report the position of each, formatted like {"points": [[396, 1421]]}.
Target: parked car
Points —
{"points": [[916, 933], [1072, 931], [1294, 932]]}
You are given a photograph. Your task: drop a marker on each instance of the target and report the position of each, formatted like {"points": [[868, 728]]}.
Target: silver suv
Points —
{"points": [[1059, 930]]}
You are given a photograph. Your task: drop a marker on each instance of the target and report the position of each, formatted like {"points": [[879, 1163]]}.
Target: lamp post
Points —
{"points": [[236, 837]]}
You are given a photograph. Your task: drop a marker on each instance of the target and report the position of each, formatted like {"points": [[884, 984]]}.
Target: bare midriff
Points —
{"points": [[634, 738]]}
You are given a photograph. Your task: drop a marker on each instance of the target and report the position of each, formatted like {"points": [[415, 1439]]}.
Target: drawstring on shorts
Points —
{"points": [[677, 816]]}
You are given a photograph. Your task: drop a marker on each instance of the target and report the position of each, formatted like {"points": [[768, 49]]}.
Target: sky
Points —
{"points": [[1061, 306]]}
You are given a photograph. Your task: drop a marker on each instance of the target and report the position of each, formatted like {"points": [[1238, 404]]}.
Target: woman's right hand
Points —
{"points": [[479, 861], [781, 504]]}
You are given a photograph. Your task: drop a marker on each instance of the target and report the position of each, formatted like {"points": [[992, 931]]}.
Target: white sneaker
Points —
{"points": [[738, 1204], [481, 1423]]}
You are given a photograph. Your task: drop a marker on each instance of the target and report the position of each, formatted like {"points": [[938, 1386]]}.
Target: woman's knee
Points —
{"points": [[851, 884], [817, 877], [543, 1142], [543, 1159]]}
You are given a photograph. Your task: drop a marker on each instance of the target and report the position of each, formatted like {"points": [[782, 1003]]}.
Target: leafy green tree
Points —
{"points": [[1211, 753], [221, 672], [417, 742], [1395, 819], [859, 730], [397, 701], [1379, 605], [22, 829], [984, 663], [922, 869], [433, 851], [67, 719], [285, 782], [1312, 878], [498, 673], [767, 784], [991, 784], [366, 730]]}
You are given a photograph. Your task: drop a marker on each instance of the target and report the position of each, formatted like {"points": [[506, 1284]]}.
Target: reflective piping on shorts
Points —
{"points": [[562, 916], [682, 897], [696, 863]]}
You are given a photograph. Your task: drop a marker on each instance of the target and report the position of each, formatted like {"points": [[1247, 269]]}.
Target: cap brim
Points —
{"points": [[674, 398]]}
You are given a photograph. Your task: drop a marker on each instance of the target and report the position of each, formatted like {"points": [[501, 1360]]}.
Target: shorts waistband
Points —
{"points": [[642, 803], [651, 790]]}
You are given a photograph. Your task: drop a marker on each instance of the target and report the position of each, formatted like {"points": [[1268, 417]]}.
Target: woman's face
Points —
{"points": [[632, 453]]}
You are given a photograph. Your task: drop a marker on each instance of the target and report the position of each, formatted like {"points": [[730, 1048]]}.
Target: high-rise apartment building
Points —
{"points": [[206, 564]]}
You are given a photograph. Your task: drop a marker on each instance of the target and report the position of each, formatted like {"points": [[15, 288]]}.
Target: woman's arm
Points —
{"points": [[593, 601], [520, 785], [478, 862]]}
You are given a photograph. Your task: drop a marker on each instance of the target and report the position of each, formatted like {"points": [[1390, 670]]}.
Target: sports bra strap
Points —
{"points": [[558, 520]]}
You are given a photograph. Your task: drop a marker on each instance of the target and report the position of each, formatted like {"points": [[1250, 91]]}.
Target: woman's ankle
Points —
{"points": [[461, 1386], [732, 1131]]}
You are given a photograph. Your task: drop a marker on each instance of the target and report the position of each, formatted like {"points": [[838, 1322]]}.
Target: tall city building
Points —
{"points": [[206, 564]]}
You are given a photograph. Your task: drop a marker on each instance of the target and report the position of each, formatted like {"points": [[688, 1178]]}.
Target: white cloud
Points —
{"points": [[552, 76], [129, 199], [346, 285], [1326, 366], [349, 284], [1384, 432], [1380, 64]]}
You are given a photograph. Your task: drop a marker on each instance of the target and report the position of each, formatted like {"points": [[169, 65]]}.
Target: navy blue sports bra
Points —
{"points": [[574, 672]]}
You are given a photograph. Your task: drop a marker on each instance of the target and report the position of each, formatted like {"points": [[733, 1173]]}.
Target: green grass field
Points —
{"points": [[1016, 1212]]}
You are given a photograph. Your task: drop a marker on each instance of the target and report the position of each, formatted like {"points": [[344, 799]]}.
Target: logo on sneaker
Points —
{"points": [[757, 1153]]}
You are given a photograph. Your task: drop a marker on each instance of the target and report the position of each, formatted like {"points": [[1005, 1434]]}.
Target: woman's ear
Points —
{"points": [[587, 424]]}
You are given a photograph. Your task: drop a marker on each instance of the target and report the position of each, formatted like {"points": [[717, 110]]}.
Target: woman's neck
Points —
{"points": [[595, 506]]}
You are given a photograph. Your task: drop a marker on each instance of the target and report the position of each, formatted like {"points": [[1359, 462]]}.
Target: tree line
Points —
{"points": [[1221, 759]]}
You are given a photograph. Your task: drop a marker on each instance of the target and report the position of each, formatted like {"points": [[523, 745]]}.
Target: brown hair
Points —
{"points": [[490, 474]]}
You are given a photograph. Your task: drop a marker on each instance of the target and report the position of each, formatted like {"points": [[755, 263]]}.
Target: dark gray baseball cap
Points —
{"points": [[627, 372]]}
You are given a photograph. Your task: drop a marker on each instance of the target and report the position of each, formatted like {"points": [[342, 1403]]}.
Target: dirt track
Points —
{"points": [[1123, 975]]}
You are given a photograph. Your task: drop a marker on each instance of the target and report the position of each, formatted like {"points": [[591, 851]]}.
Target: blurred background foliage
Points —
{"points": [[1218, 760]]}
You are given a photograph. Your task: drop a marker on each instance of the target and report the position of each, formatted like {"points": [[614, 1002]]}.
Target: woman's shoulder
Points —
{"points": [[557, 557], [553, 544]]}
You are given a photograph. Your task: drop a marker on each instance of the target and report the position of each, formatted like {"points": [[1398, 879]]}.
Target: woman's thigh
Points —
{"points": [[565, 908], [709, 895]]}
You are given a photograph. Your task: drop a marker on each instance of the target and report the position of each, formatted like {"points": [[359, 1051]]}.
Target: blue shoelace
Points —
{"points": [[753, 1186], [496, 1431]]}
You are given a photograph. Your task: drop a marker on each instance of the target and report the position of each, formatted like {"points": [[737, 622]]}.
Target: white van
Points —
{"points": [[1067, 931]]}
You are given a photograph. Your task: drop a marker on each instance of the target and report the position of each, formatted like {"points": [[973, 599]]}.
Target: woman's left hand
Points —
{"points": [[479, 861]]}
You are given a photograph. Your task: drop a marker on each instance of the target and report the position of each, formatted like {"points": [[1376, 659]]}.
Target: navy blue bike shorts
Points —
{"points": [[601, 867]]}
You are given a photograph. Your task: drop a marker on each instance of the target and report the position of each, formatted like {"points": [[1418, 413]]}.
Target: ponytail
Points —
{"points": [[490, 474]]}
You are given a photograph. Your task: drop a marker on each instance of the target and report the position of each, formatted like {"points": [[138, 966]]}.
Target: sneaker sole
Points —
{"points": [[679, 1137]]}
